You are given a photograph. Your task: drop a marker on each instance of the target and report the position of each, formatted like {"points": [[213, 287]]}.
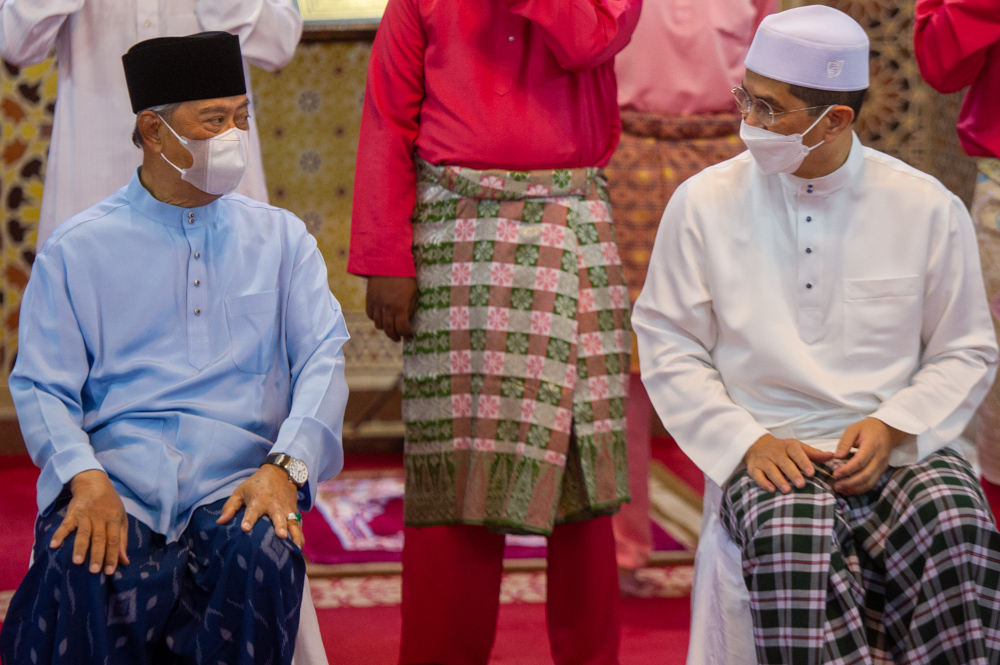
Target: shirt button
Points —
{"points": [[808, 251], [197, 282], [197, 310], [511, 38], [147, 23], [197, 255], [809, 189], [808, 286], [809, 219]]}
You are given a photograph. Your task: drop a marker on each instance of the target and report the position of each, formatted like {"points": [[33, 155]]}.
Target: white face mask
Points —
{"points": [[777, 153], [219, 162]]}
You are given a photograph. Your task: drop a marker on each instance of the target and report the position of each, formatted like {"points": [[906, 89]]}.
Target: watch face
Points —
{"points": [[297, 471]]}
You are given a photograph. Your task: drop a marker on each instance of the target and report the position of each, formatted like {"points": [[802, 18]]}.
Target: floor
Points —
{"points": [[654, 630]]}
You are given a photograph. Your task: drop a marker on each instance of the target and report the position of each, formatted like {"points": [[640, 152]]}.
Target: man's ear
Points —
{"points": [[149, 127], [840, 118]]}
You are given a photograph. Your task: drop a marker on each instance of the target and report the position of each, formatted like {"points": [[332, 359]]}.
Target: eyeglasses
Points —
{"points": [[762, 109]]}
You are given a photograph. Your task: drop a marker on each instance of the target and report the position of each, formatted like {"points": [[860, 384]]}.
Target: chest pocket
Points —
{"points": [[882, 317], [182, 22], [253, 330]]}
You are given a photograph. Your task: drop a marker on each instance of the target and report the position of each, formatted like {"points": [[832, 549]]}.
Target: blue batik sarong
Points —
{"points": [[217, 595]]}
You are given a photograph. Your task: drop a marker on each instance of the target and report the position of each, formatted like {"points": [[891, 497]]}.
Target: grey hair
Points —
{"points": [[163, 110]]}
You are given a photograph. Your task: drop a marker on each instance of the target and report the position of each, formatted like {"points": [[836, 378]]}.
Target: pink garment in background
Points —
{"points": [[633, 535], [687, 55]]}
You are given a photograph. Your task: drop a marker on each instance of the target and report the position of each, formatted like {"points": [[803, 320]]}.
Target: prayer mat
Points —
{"points": [[357, 524], [516, 378]]}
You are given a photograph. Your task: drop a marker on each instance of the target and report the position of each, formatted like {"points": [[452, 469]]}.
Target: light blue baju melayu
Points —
{"points": [[174, 348]]}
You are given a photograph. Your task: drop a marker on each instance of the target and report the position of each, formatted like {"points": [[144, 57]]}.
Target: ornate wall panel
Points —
{"points": [[27, 98], [903, 116], [309, 117]]}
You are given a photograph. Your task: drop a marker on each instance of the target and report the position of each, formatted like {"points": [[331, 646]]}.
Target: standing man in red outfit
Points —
{"points": [[481, 220], [957, 44]]}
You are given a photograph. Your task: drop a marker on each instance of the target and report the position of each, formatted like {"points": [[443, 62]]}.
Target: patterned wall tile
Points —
{"points": [[903, 116], [309, 117], [27, 98]]}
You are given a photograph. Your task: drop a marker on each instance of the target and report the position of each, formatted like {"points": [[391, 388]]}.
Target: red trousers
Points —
{"points": [[451, 594], [633, 533]]}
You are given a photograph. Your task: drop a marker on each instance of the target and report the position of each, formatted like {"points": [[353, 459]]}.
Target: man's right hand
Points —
{"points": [[391, 302], [97, 515], [773, 462]]}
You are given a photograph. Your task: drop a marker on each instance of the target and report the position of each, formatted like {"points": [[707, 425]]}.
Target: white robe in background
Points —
{"points": [[91, 155], [797, 307]]}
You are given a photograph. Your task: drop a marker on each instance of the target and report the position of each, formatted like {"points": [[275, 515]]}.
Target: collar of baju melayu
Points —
{"points": [[146, 205], [829, 184]]}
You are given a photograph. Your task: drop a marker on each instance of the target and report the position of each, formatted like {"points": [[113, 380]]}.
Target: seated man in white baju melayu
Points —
{"points": [[814, 333], [180, 382]]}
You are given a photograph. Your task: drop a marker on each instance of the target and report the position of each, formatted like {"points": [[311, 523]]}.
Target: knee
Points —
{"points": [[954, 507], [59, 560], [264, 554], [749, 513]]}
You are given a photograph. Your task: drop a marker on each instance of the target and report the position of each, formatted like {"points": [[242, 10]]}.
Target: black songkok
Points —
{"points": [[170, 70]]}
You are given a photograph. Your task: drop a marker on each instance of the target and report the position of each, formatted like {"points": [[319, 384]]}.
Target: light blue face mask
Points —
{"points": [[218, 163], [777, 153]]}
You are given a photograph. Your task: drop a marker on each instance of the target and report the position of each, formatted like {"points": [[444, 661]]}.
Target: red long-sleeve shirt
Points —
{"points": [[957, 44], [511, 84]]}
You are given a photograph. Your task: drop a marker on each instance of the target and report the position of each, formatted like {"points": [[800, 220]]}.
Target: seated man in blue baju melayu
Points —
{"points": [[179, 379]]}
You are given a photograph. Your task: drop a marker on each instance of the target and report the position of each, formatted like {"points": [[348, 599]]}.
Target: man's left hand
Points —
{"points": [[872, 441], [267, 492]]}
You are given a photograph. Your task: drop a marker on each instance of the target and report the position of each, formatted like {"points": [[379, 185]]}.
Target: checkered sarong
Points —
{"points": [[521, 338], [906, 573]]}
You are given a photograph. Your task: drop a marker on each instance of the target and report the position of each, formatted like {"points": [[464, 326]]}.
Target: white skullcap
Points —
{"points": [[813, 46]]}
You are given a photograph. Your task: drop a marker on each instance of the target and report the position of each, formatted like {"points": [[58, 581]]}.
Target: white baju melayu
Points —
{"points": [[798, 307], [90, 156]]}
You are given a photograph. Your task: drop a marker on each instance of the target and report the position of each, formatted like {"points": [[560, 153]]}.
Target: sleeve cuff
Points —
{"points": [[723, 469], [321, 466], [897, 417], [68, 463]]}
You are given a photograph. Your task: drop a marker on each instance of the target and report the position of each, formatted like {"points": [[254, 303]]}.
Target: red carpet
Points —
{"points": [[653, 631], [17, 517]]}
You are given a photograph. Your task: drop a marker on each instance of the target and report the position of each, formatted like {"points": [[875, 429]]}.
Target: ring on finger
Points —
{"points": [[294, 517]]}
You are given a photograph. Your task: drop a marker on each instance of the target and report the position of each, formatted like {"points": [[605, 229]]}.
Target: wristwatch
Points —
{"points": [[295, 468]]}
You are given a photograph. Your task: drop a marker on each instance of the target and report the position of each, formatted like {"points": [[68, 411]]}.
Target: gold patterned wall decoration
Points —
{"points": [[27, 101], [903, 116], [309, 115]]}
